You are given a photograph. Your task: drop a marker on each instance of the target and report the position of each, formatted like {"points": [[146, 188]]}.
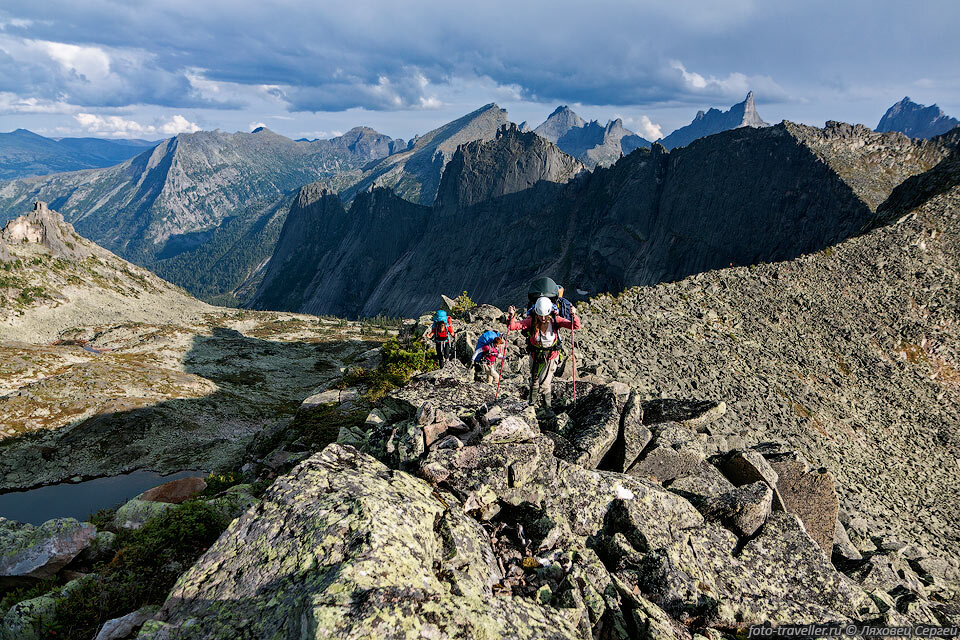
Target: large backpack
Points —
{"points": [[486, 338]]}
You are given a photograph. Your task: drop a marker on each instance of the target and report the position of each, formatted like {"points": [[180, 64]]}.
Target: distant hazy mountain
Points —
{"points": [[589, 142], [414, 174], [508, 212], [24, 153], [742, 114], [916, 120], [204, 209]]}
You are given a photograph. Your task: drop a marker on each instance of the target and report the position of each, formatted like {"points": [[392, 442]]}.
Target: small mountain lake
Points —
{"points": [[80, 499]]}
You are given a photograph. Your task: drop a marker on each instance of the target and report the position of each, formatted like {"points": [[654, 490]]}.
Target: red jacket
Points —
{"points": [[560, 323], [490, 354]]}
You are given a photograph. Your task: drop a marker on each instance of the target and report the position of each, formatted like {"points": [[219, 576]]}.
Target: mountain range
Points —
{"points": [[916, 120], [741, 197], [24, 153], [202, 210], [591, 143]]}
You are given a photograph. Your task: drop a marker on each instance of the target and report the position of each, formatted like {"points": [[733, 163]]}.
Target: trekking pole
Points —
{"points": [[573, 360], [506, 344]]}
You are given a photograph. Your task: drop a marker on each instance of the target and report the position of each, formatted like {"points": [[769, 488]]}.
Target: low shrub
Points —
{"points": [[146, 566]]}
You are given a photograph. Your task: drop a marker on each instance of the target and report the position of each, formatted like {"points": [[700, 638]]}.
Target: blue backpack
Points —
{"points": [[486, 338]]}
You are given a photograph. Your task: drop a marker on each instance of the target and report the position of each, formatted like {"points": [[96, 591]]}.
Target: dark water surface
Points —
{"points": [[79, 500]]}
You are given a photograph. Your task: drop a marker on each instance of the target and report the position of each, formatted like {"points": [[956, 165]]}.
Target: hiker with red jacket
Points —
{"points": [[544, 343], [441, 331], [485, 356]]}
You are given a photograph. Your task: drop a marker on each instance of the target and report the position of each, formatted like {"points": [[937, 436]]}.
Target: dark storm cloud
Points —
{"points": [[389, 55]]}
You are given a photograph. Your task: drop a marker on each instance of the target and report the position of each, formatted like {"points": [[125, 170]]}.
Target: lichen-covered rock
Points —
{"points": [[30, 553], [742, 510], [594, 427], [136, 512], [34, 619], [345, 547]]}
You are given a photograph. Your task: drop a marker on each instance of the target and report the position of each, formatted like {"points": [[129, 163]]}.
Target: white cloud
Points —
{"points": [[648, 129], [735, 85], [119, 127], [256, 125]]}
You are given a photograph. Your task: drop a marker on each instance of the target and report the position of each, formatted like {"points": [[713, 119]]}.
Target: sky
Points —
{"points": [[128, 69]]}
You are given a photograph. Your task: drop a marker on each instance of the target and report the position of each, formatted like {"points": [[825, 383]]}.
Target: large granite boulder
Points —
{"points": [[345, 547], [29, 553]]}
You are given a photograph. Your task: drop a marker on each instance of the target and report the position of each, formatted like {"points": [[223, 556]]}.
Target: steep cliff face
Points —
{"points": [[414, 174], [329, 261], [742, 114], [201, 209], [916, 120], [741, 197]]}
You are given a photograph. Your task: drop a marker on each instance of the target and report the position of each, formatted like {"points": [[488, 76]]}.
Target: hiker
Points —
{"points": [[441, 331], [543, 343], [489, 349]]}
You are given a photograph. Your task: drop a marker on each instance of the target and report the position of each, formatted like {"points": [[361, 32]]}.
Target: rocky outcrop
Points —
{"points": [[512, 162], [916, 120], [46, 228], [452, 513], [589, 142], [29, 553], [203, 209], [742, 114], [414, 173], [741, 197], [345, 547]]}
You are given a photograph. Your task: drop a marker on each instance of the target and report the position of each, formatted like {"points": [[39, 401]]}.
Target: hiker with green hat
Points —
{"points": [[441, 331], [543, 324]]}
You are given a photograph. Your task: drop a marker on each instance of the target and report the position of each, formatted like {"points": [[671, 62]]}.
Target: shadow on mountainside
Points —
{"points": [[260, 384]]}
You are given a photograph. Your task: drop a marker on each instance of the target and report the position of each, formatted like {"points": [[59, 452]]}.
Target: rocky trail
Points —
{"points": [[450, 514]]}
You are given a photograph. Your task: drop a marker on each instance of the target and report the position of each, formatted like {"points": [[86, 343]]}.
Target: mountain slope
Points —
{"points": [[589, 142], [201, 209], [414, 174], [851, 354], [24, 153], [741, 197], [52, 279], [916, 120], [742, 114], [106, 368]]}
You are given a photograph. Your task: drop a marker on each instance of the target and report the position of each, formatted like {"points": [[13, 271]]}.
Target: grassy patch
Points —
{"points": [[147, 563]]}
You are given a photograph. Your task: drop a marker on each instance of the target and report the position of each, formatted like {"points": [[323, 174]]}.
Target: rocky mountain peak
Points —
{"points": [[45, 227], [559, 122], [916, 120], [742, 114], [513, 161]]}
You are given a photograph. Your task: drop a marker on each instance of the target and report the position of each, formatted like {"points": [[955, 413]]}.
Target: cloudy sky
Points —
{"points": [[308, 68]]}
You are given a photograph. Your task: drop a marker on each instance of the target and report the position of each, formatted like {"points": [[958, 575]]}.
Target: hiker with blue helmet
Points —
{"points": [[485, 356], [441, 331], [543, 342]]}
